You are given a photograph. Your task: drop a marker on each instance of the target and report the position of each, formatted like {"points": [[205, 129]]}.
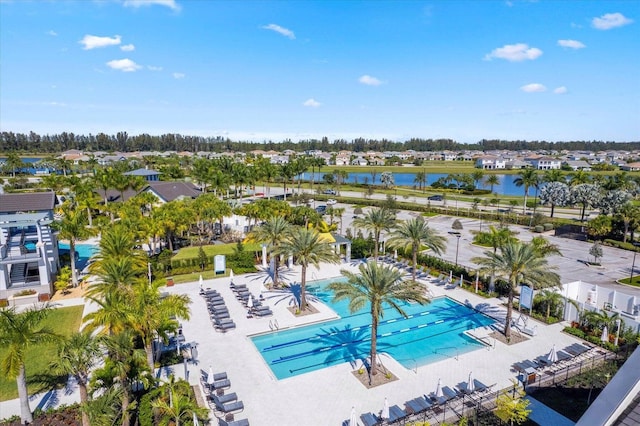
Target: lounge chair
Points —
{"points": [[418, 405], [449, 393], [221, 321], [219, 308], [370, 419], [241, 422], [229, 407], [263, 312], [396, 413], [215, 300], [220, 315], [209, 292], [238, 287], [220, 384], [226, 326], [224, 399]]}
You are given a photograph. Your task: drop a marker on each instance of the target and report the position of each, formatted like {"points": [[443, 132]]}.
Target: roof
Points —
{"points": [[27, 202], [115, 195], [142, 172], [340, 239], [170, 191]]}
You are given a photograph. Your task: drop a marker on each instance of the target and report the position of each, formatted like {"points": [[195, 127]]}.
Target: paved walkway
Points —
{"points": [[322, 397], [544, 415]]}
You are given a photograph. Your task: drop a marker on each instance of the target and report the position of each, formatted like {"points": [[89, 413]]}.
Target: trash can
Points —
{"points": [[169, 282]]}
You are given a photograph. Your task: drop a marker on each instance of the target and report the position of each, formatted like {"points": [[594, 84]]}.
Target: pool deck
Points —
{"points": [[322, 397], [325, 397]]}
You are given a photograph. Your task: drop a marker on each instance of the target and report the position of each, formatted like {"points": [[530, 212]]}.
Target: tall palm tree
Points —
{"points": [[421, 180], [273, 233], [308, 248], [77, 357], [375, 286], [492, 180], [518, 263], [579, 177], [376, 220], [549, 299], [19, 331], [113, 314], [477, 177], [73, 227], [414, 234], [177, 406], [554, 175], [527, 178]]}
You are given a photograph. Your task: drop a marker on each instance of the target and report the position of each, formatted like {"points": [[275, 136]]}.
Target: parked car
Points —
{"points": [[435, 198], [330, 192], [321, 209], [331, 202]]}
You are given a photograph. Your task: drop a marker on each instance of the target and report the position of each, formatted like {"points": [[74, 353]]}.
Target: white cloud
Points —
{"points": [[125, 65], [52, 33], [572, 44], [610, 20], [369, 81], [533, 88], [152, 68], [280, 30], [171, 4], [92, 42], [514, 52], [178, 75], [127, 48], [560, 90], [311, 103]]}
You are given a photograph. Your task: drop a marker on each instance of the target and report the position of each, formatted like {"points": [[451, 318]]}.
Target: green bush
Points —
{"points": [[574, 331], [620, 244], [145, 411], [538, 228], [548, 226]]}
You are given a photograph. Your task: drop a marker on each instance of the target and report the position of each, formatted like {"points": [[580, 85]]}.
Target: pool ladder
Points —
{"points": [[273, 325], [447, 347]]}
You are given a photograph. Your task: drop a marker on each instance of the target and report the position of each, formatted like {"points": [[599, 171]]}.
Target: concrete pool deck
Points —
{"points": [[325, 397], [322, 397]]}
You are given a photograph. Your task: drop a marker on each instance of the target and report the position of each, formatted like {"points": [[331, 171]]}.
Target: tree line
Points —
{"points": [[123, 142]]}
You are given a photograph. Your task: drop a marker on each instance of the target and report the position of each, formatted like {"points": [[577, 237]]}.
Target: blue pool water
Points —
{"points": [[432, 332], [84, 253]]}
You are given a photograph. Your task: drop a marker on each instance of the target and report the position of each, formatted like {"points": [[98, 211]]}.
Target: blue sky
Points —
{"points": [[269, 70]]}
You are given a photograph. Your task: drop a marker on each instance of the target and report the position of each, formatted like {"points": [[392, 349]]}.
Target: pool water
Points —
{"points": [[430, 333], [84, 253]]}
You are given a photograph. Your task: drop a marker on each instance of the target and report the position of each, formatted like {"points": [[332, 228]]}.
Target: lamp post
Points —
{"points": [[458, 235], [615, 342]]}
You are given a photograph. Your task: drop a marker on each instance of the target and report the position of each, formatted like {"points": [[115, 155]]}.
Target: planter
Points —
{"points": [[23, 300]]}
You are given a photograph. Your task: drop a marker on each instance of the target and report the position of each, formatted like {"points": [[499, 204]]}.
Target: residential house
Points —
{"points": [[577, 165], [146, 174], [171, 191], [28, 246], [359, 161], [631, 167], [544, 163], [490, 162]]}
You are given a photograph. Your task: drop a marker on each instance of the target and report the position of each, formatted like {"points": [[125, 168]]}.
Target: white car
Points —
{"points": [[331, 202]]}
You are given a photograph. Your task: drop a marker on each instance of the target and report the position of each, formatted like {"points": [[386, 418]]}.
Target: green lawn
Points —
{"points": [[212, 250], [63, 321], [636, 281]]}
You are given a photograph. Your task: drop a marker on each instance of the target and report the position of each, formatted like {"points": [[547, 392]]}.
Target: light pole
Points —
{"points": [[458, 235]]}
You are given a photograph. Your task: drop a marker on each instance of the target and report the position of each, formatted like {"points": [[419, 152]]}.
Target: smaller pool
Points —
{"points": [[83, 253]]}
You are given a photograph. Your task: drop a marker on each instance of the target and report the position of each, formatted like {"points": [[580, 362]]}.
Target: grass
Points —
{"points": [[212, 250], [635, 283], [195, 276], [63, 321]]}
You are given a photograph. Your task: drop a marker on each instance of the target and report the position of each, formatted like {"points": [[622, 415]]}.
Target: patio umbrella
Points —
{"points": [[552, 357], [250, 302], [353, 420], [195, 420], [461, 279], [439, 389], [231, 275], [471, 386], [450, 276], [477, 280], [605, 334], [385, 409], [201, 281], [210, 377]]}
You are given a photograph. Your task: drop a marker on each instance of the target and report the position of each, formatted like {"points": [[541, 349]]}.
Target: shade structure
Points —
{"points": [[605, 334], [201, 281], [438, 392], [552, 357], [353, 420], [210, 376], [471, 386], [385, 409]]}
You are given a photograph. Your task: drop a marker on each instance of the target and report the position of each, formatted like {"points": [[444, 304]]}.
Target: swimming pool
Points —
{"points": [[84, 253], [431, 333]]}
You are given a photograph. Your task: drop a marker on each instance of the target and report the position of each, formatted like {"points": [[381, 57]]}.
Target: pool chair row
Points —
{"points": [[224, 405], [253, 304], [218, 312]]}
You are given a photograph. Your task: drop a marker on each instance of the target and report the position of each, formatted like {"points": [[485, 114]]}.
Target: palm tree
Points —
{"points": [[492, 180], [376, 221], [579, 177], [414, 234], [113, 314], [273, 232], [517, 263], [73, 227], [477, 177], [549, 299], [554, 175], [19, 331], [177, 406], [376, 286], [156, 315], [420, 179], [77, 356], [308, 248], [527, 178]]}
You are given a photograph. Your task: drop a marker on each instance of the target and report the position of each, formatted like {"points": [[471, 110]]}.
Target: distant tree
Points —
{"points": [[596, 251], [387, 180], [529, 179], [587, 195], [492, 180], [600, 227], [477, 177], [456, 225], [613, 200], [555, 194]]}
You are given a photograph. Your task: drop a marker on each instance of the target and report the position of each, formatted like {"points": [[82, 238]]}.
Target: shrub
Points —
{"points": [[538, 228], [548, 226], [28, 292], [574, 331], [145, 410], [620, 244]]}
